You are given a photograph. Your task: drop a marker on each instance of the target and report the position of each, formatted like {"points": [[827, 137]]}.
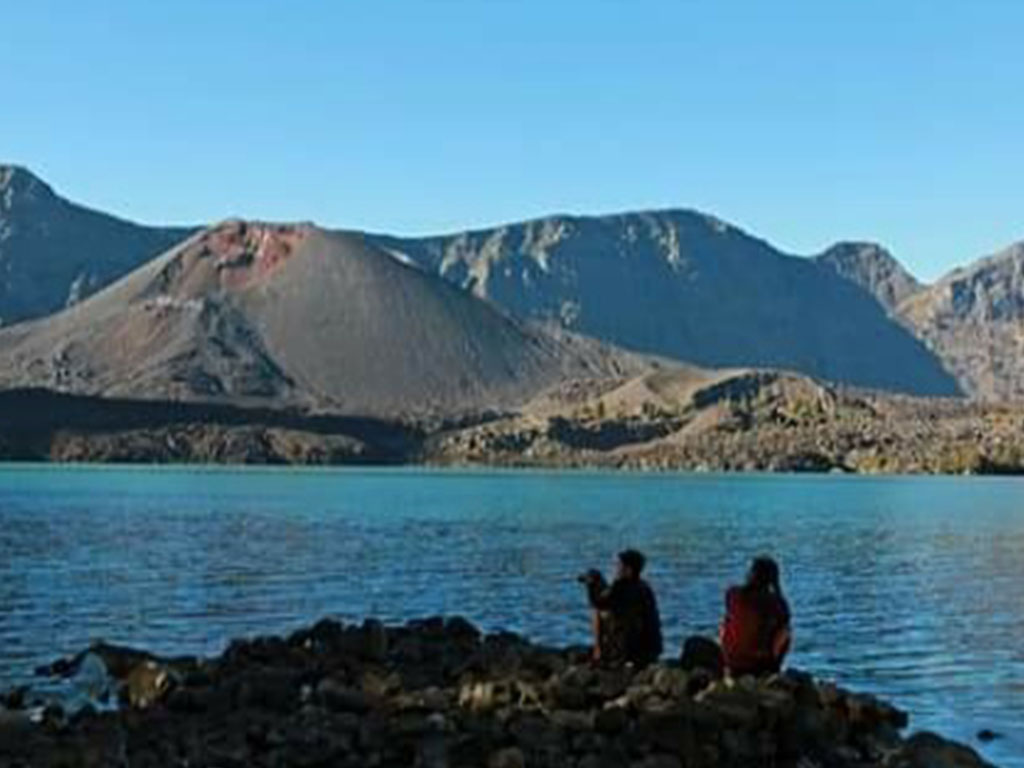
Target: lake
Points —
{"points": [[907, 587]]}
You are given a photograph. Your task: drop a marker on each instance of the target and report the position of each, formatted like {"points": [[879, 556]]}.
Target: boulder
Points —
{"points": [[437, 694], [339, 697], [510, 757], [928, 750]]}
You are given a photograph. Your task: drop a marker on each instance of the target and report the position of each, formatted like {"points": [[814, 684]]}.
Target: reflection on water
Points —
{"points": [[905, 586]]}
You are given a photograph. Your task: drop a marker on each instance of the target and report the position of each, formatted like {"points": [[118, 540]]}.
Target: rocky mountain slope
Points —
{"points": [[690, 287], [677, 283], [974, 320], [679, 419], [54, 253], [291, 315], [874, 269], [741, 420]]}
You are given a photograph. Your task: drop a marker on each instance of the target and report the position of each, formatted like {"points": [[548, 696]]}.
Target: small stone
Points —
{"points": [[670, 733], [672, 683], [777, 700], [740, 745], [892, 716], [341, 698], [746, 683], [702, 653], [375, 685], [927, 750], [434, 698], [829, 694], [611, 720], [566, 695], [14, 720], [375, 640], [986, 735], [271, 689], [861, 709], [147, 683], [510, 757], [460, 627], [659, 761], [569, 720], [611, 683], [478, 697], [639, 694], [588, 742], [847, 753], [192, 700], [595, 760]]}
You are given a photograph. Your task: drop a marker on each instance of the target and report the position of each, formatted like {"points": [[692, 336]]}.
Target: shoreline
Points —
{"points": [[438, 693], [785, 429], [481, 468]]}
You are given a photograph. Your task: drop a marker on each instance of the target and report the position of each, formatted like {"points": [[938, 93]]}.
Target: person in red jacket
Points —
{"points": [[755, 633]]}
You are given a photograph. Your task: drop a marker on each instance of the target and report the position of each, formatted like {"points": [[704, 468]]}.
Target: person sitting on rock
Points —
{"points": [[627, 627], [755, 633]]}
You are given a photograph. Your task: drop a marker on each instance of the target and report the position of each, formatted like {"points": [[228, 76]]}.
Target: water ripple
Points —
{"points": [[908, 587]]}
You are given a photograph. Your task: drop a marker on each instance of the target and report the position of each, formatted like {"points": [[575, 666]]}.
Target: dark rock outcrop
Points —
{"points": [[438, 694]]}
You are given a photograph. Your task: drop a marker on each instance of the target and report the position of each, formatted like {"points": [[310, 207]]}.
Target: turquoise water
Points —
{"points": [[909, 587]]}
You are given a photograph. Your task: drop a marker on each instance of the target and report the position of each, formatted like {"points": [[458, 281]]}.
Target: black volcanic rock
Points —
{"points": [[438, 693], [54, 253], [688, 286]]}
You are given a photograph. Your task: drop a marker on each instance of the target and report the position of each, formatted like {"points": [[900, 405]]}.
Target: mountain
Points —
{"points": [[292, 315], [54, 253], [675, 283], [688, 286], [874, 269], [974, 320]]}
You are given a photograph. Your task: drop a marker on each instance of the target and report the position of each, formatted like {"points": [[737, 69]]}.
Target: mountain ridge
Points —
{"points": [[673, 282], [294, 316], [54, 253], [874, 268], [688, 286], [974, 318]]}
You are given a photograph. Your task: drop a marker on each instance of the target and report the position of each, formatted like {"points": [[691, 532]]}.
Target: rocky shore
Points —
{"points": [[752, 421], [436, 693]]}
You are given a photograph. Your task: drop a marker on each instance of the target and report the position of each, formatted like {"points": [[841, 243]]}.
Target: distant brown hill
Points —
{"points": [[291, 315], [54, 253]]}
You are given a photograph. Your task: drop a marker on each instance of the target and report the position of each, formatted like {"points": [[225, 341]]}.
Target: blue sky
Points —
{"points": [[803, 122]]}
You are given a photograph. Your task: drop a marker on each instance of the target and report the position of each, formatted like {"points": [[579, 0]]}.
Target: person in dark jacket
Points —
{"points": [[627, 627], [755, 633]]}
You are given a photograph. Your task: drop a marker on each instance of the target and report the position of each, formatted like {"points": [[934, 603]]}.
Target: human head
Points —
{"points": [[763, 574], [631, 564]]}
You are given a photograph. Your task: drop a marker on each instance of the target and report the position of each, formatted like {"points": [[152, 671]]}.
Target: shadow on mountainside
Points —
{"points": [[33, 422]]}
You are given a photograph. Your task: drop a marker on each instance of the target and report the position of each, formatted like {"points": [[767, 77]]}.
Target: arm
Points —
{"points": [[723, 625], [781, 642], [654, 618], [599, 593], [783, 637]]}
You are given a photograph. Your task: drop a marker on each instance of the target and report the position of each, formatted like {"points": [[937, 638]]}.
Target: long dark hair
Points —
{"points": [[763, 577]]}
